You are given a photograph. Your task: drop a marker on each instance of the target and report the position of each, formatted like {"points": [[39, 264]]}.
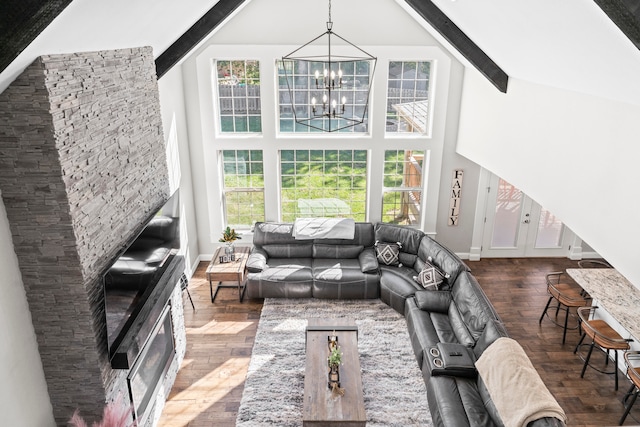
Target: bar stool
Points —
{"points": [[602, 335], [631, 359], [567, 297]]}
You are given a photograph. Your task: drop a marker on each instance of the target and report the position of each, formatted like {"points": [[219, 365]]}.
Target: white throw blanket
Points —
{"points": [[515, 387], [324, 228]]}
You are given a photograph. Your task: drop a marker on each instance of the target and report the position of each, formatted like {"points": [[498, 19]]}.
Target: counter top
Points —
{"points": [[614, 293]]}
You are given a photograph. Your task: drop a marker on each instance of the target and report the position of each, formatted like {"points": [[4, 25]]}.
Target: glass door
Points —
{"points": [[516, 226]]}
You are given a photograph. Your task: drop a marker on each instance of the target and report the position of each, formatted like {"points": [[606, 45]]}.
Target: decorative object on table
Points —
{"points": [[229, 235], [227, 257], [336, 97], [334, 360]]}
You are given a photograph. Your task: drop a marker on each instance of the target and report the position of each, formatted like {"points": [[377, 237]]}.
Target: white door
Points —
{"points": [[516, 226]]}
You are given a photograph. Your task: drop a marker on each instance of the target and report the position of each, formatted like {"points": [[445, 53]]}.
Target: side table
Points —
{"points": [[228, 271]]}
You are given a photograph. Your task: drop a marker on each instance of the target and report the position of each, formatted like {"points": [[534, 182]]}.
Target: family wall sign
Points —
{"points": [[454, 202]]}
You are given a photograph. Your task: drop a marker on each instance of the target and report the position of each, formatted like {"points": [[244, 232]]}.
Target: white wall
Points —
{"points": [[177, 139], [24, 400], [575, 154]]}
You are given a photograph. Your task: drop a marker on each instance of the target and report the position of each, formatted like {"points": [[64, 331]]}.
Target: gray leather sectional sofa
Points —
{"points": [[458, 312]]}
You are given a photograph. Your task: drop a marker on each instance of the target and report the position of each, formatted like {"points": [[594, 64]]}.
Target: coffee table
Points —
{"points": [[321, 407], [228, 271]]}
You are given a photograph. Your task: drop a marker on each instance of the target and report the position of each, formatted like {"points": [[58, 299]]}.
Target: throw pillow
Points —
{"points": [[430, 277], [388, 253]]}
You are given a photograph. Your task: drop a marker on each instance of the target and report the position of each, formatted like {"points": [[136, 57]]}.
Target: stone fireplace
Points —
{"points": [[82, 165]]}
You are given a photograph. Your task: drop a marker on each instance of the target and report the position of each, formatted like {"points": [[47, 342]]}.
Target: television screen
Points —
{"points": [[135, 272]]}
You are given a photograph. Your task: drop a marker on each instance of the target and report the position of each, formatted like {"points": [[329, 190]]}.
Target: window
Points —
{"points": [[302, 82], [239, 96], [408, 97], [323, 183], [402, 192], [243, 187]]}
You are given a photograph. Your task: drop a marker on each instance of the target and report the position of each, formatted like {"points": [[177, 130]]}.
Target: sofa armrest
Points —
{"points": [[368, 261], [257, 260], [433, 301]]}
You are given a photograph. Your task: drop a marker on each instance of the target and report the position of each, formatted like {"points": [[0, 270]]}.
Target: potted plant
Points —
{"points": [[334, 361], [229, 235]]}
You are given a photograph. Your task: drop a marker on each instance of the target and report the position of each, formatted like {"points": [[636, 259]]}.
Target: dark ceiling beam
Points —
{"points": [[626, 15], [20, 23], [194, 35], [458, 39]]}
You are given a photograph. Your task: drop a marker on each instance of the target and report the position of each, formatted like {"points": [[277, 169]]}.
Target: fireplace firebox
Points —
{"points": [[151, 366]]}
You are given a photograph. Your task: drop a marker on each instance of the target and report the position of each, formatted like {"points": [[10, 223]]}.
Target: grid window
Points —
{"points": [[239, 96], [243, 187], [402, 192], [323, 183], [302, 82], [408, 97]]}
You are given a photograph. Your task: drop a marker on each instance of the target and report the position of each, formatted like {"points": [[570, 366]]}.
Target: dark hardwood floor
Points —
{"points": [[220, 337]]}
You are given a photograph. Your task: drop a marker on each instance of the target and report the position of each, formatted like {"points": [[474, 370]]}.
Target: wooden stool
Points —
{"points": [[602, 335], [633, 372], [567, 296]]}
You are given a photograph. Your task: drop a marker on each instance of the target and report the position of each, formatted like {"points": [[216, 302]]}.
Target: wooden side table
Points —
{"points": [[228, 271]]}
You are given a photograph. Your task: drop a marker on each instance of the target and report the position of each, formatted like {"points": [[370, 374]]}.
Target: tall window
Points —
{"points": [[243, 187], [239, 96], [402, 192], [323, 183], [408, 97], [302, 81]]}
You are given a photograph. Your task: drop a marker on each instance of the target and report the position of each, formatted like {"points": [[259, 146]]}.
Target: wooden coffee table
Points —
{"points": [[228, 271], [321, 407]]}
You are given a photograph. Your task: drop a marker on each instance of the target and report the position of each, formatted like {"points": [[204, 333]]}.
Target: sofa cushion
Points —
{"points": [[289, 250], [396, 285], [433, 301], [430, 277], [456, 402], [336, 251], [441, 257], [409, 237], [474, 309], [342, 279], [368, 261], [283, 278], [388, 253], [363, 236], [257, 260]]}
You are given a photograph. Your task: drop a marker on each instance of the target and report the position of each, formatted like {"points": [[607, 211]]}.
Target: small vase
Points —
{"points": [[334, 377], [229, 249]]}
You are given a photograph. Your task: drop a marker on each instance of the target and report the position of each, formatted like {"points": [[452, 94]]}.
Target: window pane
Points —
{"points": [[507, 219], [402, 181], [401, 207], [243, 187], [238, 85], [408, 97], [550, 230], [323, 183]]}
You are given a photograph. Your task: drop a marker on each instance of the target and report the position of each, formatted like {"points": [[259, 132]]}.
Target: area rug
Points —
{"points": [[394, 392]]}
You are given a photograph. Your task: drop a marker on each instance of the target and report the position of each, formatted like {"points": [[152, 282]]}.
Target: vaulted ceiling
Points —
{"points": [[530, 41]]}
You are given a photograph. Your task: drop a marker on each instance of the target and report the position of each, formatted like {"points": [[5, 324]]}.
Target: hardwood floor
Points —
{"points": [[220, 336]]}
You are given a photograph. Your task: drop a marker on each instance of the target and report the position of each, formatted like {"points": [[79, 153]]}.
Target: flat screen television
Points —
{"points": [[134, 273]]}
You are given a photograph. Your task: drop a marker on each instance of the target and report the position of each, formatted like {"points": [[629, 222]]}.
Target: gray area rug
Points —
{"points": [[394, 392]]}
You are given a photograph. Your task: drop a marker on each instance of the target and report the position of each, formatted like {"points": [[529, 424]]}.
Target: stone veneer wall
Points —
{"points": [[82, 165]]}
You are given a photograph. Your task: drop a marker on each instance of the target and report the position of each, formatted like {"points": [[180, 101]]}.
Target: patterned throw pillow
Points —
{"points": [[431, 277], [388, 253]]}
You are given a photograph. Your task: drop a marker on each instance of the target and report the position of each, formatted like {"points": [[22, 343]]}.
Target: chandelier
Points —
{"points": [[328, 83]]}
